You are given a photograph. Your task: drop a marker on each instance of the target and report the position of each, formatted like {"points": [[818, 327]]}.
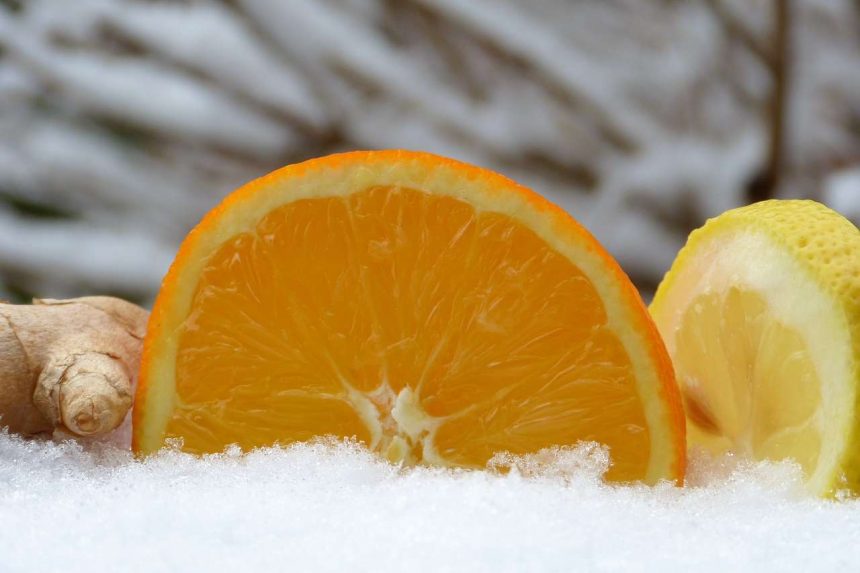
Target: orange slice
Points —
{"points": [[438, 312]]}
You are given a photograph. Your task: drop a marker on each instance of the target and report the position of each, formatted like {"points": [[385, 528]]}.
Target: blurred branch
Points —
{"points": [[13, 5], [766, 185], [737, 29], [779, 99], [133, 116]]}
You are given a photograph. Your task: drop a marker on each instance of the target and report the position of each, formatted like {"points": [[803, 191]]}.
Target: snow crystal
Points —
{"points": [[337, 507]]}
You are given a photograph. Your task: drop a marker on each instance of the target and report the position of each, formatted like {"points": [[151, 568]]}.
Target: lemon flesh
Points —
{"points": [[760, 314]]}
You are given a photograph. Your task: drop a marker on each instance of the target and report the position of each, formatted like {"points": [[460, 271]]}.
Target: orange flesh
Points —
{"points": [[338, 309]]}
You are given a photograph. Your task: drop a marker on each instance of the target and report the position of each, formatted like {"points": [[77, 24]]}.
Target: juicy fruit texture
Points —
{"points": [[393, 301], [761, 314], [380, 296], [751, 385]]}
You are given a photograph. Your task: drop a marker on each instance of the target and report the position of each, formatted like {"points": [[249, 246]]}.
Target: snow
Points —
{"points": [[641, 118], [184, 34], [68, 247], [149, 95], [335, 507]]}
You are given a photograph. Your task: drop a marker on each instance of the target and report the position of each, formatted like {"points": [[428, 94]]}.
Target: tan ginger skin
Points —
{"points": [[68, 365]]}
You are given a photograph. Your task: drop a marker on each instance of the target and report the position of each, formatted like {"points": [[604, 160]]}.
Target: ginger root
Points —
{"points": [[68, 365]]}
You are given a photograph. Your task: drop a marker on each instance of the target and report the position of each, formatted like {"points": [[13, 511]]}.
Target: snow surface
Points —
{"points": [[335, 507]]}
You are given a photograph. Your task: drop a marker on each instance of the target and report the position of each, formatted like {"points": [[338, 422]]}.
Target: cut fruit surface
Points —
{"points": [[435, 311], [761, 314]]}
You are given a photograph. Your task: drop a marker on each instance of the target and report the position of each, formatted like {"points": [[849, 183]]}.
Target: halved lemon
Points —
{"points": [[438, 312], [761, 315]]}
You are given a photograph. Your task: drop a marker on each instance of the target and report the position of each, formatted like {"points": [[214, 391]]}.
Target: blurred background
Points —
{"points": [[123, 121]]}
